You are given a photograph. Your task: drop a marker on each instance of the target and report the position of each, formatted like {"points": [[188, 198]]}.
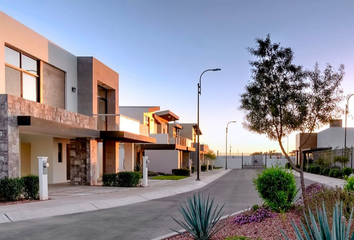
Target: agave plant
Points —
{"points": [[200, 217], [320, 230]]}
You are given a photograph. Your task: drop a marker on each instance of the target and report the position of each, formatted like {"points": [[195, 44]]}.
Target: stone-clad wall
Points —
{"points": [[9, 141], [22, 107]]}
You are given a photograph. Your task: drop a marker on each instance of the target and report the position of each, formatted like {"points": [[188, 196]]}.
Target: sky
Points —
{"points": [[160, 48]]}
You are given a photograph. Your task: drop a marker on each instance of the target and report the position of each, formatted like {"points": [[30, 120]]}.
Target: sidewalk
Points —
{"points": [[66, 199], [328, 181]]}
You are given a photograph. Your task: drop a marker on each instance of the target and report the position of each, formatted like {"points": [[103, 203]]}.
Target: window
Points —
{"points": [[60, 152], [102, 108], [21, 75]]}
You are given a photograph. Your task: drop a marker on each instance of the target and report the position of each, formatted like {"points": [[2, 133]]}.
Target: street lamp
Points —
{"points": [[345, 129], [198, 131], [227, 125]]}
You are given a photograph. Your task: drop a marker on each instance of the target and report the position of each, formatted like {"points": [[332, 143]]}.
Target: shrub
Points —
{"points": [[347, 171], [256, 215], [316, 169], [298, 165], [200, 217], [325, 171], [287, 165], [31, 186], [181, 172], [349, 185], [203, 168], [11, 189], [310, 169], [109, 179], [239, 238], [210, 167], [192, 169], [336, 173], [152, 174], [128, 179], [277, 187], [320, 229], [341, 159]]}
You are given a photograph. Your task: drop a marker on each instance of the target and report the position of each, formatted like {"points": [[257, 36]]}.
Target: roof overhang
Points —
{"points": [[310, 150], [167, 115], [158, 146], [196, 129], [40, 126], [122, 136]]}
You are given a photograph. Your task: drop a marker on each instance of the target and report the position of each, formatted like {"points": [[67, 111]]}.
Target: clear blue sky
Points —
{"points": [[160, 48]]}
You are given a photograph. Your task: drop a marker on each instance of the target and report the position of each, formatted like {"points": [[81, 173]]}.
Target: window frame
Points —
{"points": [[23, 71]]}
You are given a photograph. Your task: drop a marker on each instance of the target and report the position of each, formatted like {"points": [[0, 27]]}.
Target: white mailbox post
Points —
{"points": [[190, 165], [43, 177], [145, 171]]}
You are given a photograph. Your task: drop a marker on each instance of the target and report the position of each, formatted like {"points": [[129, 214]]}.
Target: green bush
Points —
{"points": [[128, 179], [325, 171], [11, 189], [203, 168], [277, 187], [347, 171], [210, 167], [298, 165], [31, 186], [336, 173], [316, 169], [192, 169], [181, 172], [349, 185], [109, 179], [238, 238]]}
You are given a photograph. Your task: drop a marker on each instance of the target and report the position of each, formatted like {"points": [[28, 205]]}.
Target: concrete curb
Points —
{"points": [[183, 230], [70, 206]]}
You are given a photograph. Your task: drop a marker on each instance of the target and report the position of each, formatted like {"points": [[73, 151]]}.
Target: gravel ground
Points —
{"points": [[268, 229]]}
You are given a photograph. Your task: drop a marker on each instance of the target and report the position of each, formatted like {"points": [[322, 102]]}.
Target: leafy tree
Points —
{"points": [[283, 98], [210, 155]]}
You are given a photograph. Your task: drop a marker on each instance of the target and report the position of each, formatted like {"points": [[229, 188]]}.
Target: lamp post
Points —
{"points": [[227, 125], [346, 113], [198, 131]]}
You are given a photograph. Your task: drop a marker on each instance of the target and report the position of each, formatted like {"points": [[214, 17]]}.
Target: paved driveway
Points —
{"points": [[144, 220]]}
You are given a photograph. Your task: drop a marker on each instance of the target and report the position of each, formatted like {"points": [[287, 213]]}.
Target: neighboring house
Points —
{"points": [[172, 149], [58, 105], [330, 138]]}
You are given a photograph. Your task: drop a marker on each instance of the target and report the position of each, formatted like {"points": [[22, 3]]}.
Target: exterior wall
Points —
{"points": [[310, 143], [334, 137], [9, 141], [53, 86], [129, 157], [162, 160], [21, 37], [161, 138], [41, 146], [187, 131], [110, 157], [137, 112]]}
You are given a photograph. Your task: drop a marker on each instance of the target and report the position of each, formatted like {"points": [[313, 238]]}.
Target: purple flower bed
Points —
{"points": [[313, 189], [254, 216]]}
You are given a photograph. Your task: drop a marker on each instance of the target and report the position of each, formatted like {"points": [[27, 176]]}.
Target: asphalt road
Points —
{"points": [[146, 220]]}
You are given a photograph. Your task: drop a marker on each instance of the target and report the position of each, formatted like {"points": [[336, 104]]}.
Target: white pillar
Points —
{"points": [[145, 171], [43, 177]]}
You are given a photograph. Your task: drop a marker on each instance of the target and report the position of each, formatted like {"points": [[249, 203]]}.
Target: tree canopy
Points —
{"points": [[282, 97]]}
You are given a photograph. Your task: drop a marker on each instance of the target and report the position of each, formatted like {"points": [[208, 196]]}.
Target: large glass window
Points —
{"points": [[28, 77], [12, 57]]}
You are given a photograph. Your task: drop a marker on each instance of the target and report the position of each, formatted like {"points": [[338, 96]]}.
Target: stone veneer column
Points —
{"points": [[83, 152], [9, 141]]}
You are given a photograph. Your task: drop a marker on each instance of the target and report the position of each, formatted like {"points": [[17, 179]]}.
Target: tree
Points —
{"points": [[283, 98], [210, 155]]}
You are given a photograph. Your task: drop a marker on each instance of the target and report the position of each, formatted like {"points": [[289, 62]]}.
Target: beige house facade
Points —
{"points": [[55, 104]]}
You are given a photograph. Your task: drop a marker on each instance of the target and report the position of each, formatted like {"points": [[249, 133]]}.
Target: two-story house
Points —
{"points": [[171, 150], [55, 104]]}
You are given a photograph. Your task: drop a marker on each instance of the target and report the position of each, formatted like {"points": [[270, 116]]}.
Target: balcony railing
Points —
{"points": [[181, 141], [119, 122]]}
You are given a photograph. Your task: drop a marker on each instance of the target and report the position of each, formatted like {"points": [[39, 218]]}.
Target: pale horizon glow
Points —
{"points": [[160, 48]]}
